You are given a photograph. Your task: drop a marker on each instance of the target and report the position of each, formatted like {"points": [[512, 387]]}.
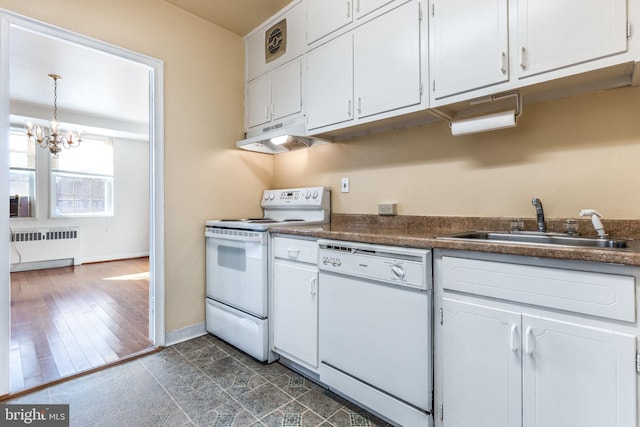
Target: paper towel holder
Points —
{"points": [[501, 120]]}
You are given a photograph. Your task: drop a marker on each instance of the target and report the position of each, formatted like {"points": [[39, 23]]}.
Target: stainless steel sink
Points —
{"points": [[541, 238]]}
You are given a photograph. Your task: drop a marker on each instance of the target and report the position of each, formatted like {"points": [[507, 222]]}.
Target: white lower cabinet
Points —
{"points": [[506, 369], [481, 373], [569, 369], [510, 364], [295, 301]]}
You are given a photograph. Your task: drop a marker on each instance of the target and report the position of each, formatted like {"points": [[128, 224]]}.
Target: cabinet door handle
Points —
{"points": [[357, 6], [503, 63], [273, 110], [359, 105], [348, 9], [293, 253], [349, 108], [267, 111], [514, 338], [313, 288], [528, 341], [523, 58]]}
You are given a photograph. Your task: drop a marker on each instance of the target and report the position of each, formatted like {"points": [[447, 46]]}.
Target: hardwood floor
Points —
{"points": [[72, 319]]}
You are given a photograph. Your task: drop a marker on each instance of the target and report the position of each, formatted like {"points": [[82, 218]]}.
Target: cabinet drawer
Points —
{"points": [[598, 294], [295, 249]]}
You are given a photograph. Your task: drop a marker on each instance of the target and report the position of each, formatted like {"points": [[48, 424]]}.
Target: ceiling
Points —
{"points": [[98, 85], [237, 16], [93, 83]]}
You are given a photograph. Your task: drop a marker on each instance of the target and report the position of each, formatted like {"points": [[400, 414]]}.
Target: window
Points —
{"points": [[22, 175], [82, 180]]}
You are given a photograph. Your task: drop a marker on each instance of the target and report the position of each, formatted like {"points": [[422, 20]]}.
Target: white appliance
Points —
{"points": [[375, 330], [237, 255]]}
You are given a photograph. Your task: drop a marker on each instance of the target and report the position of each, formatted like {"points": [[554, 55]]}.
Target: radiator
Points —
{"points": [[47, 234], [37, 248]]}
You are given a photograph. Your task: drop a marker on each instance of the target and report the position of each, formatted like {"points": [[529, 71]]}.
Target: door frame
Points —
{"points": [[156, 177]]}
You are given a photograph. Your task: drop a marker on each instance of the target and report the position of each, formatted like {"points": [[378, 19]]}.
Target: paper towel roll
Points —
{"points": [[505, 119]]}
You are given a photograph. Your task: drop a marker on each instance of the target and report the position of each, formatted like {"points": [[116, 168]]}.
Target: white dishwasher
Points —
{"points": [[375, 328]]}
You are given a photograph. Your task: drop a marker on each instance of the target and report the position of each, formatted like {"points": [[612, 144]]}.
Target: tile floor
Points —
{"points": [[202, 382]]}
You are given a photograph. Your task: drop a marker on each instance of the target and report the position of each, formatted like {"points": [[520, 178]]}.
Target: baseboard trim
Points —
{"points": [[183, 334], [91, 260]]}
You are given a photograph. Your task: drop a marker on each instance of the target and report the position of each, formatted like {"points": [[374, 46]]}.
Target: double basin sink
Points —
{"points": [[534, 237]]}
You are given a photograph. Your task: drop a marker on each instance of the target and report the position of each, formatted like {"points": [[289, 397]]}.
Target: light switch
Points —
{"points": [[345, 185]]}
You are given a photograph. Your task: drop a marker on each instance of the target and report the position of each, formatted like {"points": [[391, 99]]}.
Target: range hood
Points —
{"points": [[280, 138]]}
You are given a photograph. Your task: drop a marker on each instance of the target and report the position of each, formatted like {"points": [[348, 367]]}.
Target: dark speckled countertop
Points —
{"points": [[421, 232]]}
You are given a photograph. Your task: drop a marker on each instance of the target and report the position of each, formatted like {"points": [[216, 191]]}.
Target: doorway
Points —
{"points": [[9, 24]]}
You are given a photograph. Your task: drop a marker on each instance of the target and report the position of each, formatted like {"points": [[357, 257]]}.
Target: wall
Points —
{"points": [[203, 108], [124, 235], [573, 153]]}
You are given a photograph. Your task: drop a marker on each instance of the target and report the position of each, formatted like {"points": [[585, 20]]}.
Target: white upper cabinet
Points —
{"points": [[554, 34], [286, 90], [259, 41], [258, 105], [365, 7], [375, 71], [334, 17], [275, 95], [329, 97], [327, 16], [483, 47], [469, 45], [387, 61]]}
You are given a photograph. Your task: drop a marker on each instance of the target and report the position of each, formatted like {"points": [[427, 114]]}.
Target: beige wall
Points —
{"points": [[573, 153], [204, 177]]}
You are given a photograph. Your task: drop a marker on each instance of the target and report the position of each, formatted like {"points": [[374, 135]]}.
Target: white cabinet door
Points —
{"points": [[329, 97], [295, 310], [577, 376], [553, 34], [481, 366], [470, 45], [326, 16], [275, 95], [258, 109], [254, 43], [365, 7], [387, 64], [286, 90]]}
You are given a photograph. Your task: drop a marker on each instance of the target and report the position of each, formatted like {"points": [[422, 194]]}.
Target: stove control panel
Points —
{"points": [[308, 197]]}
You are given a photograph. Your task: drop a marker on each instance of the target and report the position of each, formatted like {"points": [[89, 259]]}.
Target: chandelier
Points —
{"points": [[54, 141]]}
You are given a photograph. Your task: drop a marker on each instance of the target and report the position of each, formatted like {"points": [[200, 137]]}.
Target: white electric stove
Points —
{"points": [[237, 265]]}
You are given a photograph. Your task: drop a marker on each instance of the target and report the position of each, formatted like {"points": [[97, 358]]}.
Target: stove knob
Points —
{"points": [[307, 194], [266, 196], [315, 194], [272, 196]]}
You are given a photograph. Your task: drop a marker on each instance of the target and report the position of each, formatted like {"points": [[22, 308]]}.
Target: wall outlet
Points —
{"points": [[388, 209], [344, 187]]}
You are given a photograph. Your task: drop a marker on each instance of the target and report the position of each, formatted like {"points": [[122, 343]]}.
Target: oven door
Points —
{"points": [[236, 269]]}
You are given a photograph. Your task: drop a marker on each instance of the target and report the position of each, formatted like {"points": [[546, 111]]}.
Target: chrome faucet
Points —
{"points": [[542, 227]]}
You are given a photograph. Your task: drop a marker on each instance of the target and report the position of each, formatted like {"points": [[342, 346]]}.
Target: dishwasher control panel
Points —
{"points": [[400, 266]]}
